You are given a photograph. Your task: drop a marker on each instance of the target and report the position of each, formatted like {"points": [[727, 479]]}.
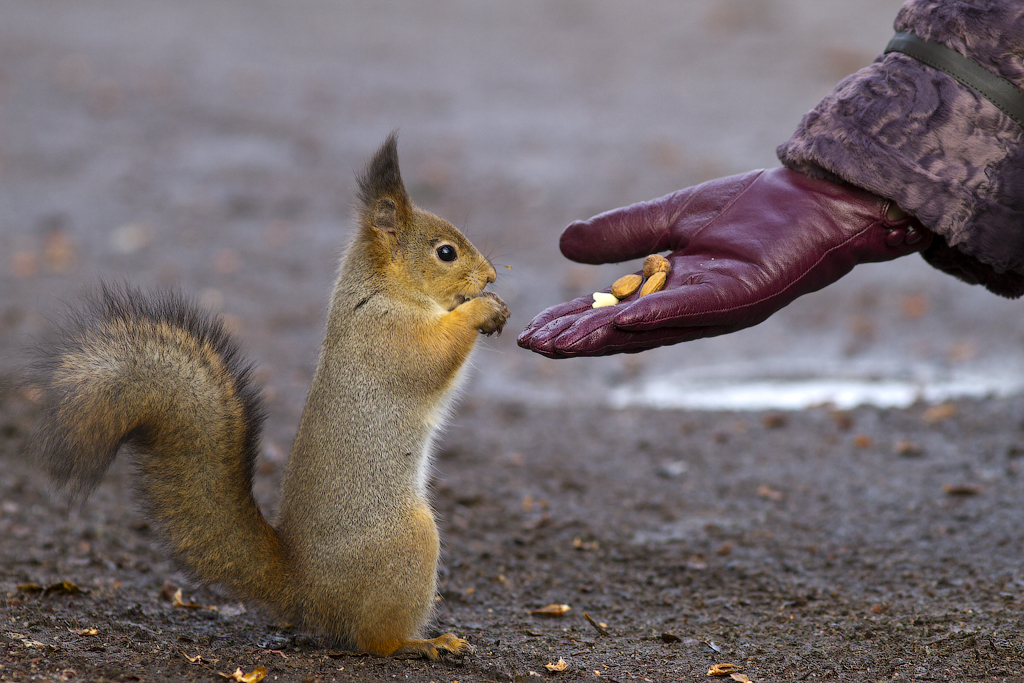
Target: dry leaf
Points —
{"points": [[24, 264], [30, 588], [29, 643], [84, 631], [62, 588], [168, 590], [914, 305], [560, 666], [907, 448], [59, 252], [579, 544], [255, 677], [552, 610], [770, 493], [723, 669], [740, 678], [176, 601], [842, 419], [530, 504], [962, 489], [198, 659], [862, 326], [863, 441], [938, 413], [962, 351]]}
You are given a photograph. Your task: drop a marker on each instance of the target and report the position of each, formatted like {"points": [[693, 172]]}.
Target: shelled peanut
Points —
{"points": [[655, 283], [626, 285], [656, 269]]}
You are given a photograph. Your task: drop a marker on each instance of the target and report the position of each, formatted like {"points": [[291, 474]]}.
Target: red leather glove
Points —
{"points": [[741, 247]]}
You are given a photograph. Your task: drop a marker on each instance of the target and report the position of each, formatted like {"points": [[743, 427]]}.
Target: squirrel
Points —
{"points": [[353, 553]]}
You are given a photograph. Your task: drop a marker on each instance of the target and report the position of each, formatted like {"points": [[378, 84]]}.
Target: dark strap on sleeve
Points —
{"points": [[996, 89]]}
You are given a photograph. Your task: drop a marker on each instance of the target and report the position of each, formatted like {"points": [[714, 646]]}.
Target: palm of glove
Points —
{"points": [[741, 248]]}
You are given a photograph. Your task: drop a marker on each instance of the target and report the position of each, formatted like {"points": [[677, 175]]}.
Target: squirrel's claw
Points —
{"points": [[432, 649], [496, 313]]}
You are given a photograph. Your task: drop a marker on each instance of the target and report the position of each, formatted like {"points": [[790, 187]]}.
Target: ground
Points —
{"points": [[857, 546], [212, 147]]}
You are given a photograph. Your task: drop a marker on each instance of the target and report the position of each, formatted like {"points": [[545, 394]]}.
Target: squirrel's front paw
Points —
{"points": [[495, 314]]}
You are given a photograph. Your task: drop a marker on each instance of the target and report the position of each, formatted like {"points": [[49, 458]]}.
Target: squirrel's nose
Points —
{"points": [[490, 273]]}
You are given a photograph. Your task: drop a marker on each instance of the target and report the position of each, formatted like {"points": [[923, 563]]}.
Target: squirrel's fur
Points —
{"points": [[353, 553]]}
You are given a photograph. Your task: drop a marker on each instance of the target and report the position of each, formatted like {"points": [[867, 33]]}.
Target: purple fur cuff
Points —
{"points": [[943, 152]]}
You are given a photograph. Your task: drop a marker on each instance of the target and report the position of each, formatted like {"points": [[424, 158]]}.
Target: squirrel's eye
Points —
{"points": [[446, 252]]}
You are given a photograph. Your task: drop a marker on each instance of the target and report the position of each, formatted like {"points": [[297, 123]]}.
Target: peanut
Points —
{"points": [[655, 283], [656, 263], [626, 285], [656, 268]]}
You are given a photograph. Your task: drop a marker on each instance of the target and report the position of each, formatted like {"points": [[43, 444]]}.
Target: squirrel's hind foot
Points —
{"points": [[432, 648]]}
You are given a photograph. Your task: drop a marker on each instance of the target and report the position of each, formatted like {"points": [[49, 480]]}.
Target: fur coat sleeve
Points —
{"points": [[944, 153]]}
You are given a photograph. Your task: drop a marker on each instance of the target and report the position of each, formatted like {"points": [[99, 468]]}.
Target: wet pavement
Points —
{"points": [[213, 147]]}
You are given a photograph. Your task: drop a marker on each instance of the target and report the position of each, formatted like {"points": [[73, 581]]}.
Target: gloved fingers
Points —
{"points": [[562, 324], [661, 224], [622, 234], [689, 308], [594, 333], [700, 300], [552, 314], [701, 291]]}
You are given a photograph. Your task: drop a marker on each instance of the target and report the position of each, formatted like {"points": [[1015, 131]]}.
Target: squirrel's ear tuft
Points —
{"points": [[386, 207], [382, 179]]}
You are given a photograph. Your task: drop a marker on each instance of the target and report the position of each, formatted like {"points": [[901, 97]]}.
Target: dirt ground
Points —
{"points": [[212, 146], [856, 546]]}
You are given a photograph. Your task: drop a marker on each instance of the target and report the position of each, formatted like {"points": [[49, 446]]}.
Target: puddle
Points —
{"points": [[737, 390]]}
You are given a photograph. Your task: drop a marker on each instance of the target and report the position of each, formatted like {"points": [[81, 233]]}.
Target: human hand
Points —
{"points": [[742, 247]]}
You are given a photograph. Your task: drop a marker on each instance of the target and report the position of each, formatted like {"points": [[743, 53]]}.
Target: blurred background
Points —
{"points": [[213, 145]]}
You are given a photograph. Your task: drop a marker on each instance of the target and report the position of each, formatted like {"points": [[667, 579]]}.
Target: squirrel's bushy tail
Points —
{"points": [[158, 374]]}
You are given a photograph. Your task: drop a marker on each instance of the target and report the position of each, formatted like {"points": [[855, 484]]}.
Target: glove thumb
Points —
{"points": [[665, 223]]}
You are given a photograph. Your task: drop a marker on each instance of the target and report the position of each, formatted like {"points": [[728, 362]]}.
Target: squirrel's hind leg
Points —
{"points": [[431, 648]]}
